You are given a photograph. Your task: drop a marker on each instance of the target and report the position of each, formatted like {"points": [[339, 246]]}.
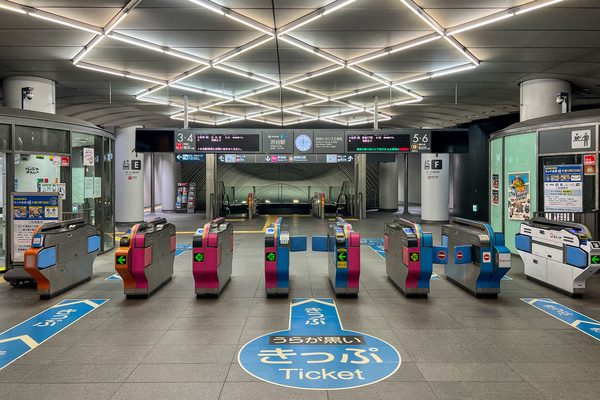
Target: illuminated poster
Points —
{"points": [[495, 191], [563, 188], [519, 206]]}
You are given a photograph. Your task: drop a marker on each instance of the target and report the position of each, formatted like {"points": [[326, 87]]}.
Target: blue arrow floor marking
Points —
{"points": [[115, 277], [181, 248], [317, 353], [21, 339], [576, 320]]}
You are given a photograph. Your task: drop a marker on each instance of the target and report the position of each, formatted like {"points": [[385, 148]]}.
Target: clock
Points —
{"points": [[303, 143]]}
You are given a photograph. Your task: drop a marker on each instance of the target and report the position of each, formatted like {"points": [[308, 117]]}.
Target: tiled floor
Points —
{"points": [[174, 346]]}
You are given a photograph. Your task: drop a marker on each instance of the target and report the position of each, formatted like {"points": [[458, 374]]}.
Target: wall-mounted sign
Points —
{"points": [[568, 140], [88, 156], [563, 188], [519, 205]]}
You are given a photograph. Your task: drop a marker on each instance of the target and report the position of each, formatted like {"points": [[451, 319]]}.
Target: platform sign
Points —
{"points": [[26, 336], [315, 352], [576, 320]]}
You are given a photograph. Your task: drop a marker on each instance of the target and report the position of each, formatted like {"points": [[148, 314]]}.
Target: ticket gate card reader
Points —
{"points": [[61, 256], [145, 257], [278, 245], [343, 246], [409, 257], [212, 257], [558, 254], [478, 258]]}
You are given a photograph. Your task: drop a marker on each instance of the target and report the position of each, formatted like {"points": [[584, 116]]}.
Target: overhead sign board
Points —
{"points": [[329, 142], [284, 158], [278, 141], [220, 143], [581, 139], [315, 352]]}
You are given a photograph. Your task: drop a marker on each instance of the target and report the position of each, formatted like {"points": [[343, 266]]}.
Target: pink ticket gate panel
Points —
{"points": [[145, 257], [212, 257]]}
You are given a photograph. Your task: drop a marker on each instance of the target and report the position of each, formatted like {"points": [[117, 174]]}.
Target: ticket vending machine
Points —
{"points": [[558, 254], [278, 245], [409, 257], [342, 244], [478, 258], [145, 257], [212, 257], [61, 256]]}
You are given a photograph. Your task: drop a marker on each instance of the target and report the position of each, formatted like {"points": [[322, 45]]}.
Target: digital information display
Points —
{"points": [[378, 143], [285, 159], [219, 143], [329, 142], [278, 142]]}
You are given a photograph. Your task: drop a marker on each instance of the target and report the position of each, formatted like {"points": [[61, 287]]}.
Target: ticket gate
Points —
{"points": [[343, 246], [478, 258], [61, 256], [558, 254], [212, 257], [409, 257], [278, 245], [145, 257]]}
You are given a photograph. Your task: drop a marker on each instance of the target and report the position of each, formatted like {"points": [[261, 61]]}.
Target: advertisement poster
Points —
{"points": [[88, 187], [495, 181], [495, 197], [88, 156], [29, 211], [519, 206], [563, 188]]}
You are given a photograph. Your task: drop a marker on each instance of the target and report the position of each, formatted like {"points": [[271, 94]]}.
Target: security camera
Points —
{"points": [[27, 93], [561, 97]]}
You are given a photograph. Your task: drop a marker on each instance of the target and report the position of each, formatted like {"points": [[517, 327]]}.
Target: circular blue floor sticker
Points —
{"points": [[316, 353]]}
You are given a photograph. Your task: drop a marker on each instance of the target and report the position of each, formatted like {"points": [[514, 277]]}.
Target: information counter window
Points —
{"points": [[43, 140]]}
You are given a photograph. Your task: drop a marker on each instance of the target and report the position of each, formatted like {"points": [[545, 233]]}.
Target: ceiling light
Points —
{"points": [[136, 42], [296, 26], [408, 92], [418, 78], [337, 6], [213, 104], [371, 75], [307, 92], [462, 49], [360, 91], [311, 75], [334, 121], [65, 21], [12, 7], [145, 79], [166, 103], [535, 5], [266, 121], [185, 56], [423, 15], [201, 91], [209, 5], [453, 70], [479, 22], [226, 121], [246, 74], [100, 69], [239, 50], [366, 58], [194, 120], [87, 48], [311, 49], [258, 114], [415, 42], [255, 92], [188, 74], [117, 22], [249, 22]]}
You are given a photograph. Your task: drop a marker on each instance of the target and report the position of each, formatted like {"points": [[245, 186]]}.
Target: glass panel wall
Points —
{"points": [[4, 145], [86, 183], [42, 140], [108, 193]]}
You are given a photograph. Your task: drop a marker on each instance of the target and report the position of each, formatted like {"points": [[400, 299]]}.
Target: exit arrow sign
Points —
{"points": [[122, 260], [595, 259], [199, 257], [270, 256], [342, 256]]}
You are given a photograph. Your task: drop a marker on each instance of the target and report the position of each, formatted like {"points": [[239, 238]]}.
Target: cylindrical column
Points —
{"points": [[170, 175], [388, 186], [538, 97], [29, 93], [435, 189], [129, 178]]}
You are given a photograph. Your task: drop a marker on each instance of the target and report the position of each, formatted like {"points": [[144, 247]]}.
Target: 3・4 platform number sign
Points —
{"points": [[317, 353], [184, 140], [420, 142]]}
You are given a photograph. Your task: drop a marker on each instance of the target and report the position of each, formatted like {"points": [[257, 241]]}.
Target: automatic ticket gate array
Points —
{"points": [[409, 257], [212, 257], [477, 258], [343, 246], [278, 245], [558, 254], [61, 256], [145, 257]]}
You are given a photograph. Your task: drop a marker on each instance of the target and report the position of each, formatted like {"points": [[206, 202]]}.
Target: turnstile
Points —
{"points": [[558, 254], [409, 257], [145, 257], [278, 245], [61, 256], [212, 257], [343, 247], [478, 258]]}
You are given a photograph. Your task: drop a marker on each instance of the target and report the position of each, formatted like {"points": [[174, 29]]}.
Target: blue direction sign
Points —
{"points": [[115, 277], [317, 353], [568, 316], [26, 336]]}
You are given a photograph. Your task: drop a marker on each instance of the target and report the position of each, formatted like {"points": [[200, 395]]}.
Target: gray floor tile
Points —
{"points": [[485, 390], [78, 373], [467, 372], [238, 374], [205, 336], [386, 390], [136, 324], [568, 390], [179, 373], [161, 391], [121, 338], [558, 372], [102, 355], [408, 372], [64, 391], [191, 354], [263, 390]]}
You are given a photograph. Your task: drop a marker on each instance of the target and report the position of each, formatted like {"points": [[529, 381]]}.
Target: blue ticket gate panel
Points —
{"points": [[477, 256], [61, 256], [145, 257], [278, 245], [558, 254], [212, 257], [409, 257], [343, 247]]}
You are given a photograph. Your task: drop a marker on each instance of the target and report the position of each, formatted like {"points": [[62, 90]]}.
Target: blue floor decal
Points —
{"points": [[115, 277], [379, 249], [29, 334], [576, 320], [317, 353], [181, 248], [371, 241]]}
